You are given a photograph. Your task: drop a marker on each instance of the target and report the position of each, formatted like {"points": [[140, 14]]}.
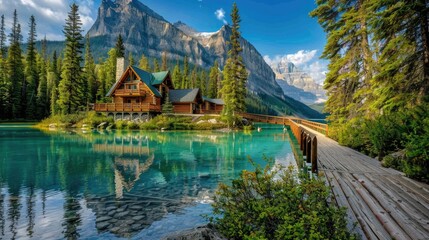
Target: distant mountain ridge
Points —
{"points": [[297, 84]]}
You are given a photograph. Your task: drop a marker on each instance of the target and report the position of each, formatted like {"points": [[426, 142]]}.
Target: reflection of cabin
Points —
{"points": [[140, 94]]}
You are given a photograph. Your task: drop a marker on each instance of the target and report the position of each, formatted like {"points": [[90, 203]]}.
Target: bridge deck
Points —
{"points": [[383, 202]]}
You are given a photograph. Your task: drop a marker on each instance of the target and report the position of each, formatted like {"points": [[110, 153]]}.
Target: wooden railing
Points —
{"points": [[126, 107], [320, 127], [265, 118], [132, 92], [308, 144]]}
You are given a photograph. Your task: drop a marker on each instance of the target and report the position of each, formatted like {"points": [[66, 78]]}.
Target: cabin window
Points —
{"points": [[154, 100], [131, 86]]}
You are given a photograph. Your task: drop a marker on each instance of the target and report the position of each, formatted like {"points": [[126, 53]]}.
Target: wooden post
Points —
{"points": [[304, 143], [308, 148], [314, 155]]}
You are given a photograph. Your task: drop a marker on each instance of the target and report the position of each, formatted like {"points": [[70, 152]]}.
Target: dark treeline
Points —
{"points": [[378, 79], [34, 85]]}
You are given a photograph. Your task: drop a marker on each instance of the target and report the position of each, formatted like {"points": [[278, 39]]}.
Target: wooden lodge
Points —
{"points": [[140, 94]]}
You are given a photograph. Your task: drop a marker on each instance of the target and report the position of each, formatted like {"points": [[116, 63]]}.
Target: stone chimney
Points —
{"points": [[120, 67]]}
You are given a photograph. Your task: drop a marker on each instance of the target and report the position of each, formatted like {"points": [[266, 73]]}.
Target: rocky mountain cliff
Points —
{"points": [[144, 31], [298, 84]]}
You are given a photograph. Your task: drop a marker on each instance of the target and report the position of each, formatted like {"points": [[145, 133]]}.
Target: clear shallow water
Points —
{"points": [[110, 185]]}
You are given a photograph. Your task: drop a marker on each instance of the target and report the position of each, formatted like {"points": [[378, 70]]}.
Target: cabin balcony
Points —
{"points": [[130, 92], [126, 107]]}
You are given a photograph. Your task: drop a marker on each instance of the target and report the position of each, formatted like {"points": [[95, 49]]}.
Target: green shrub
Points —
{"points": [[94, 119], [384, 134], [390, 161], [417, 144], [182, 126], [62, 120], [132, 125], [120, 124], [277, 204]]}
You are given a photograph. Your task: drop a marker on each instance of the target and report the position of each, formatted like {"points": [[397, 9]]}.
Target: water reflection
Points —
{"points": [[105, 184]]}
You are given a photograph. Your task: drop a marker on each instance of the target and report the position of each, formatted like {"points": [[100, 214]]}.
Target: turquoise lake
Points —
{"points": [[120, 184]]}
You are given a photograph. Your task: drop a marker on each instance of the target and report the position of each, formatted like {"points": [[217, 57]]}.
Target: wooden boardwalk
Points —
{"points": [[382, 202]]}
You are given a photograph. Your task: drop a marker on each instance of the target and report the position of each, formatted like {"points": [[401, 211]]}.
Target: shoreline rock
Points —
{"points": [[206, 232]]}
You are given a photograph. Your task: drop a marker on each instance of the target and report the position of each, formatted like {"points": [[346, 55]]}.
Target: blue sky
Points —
{"points": [[279, 29]]}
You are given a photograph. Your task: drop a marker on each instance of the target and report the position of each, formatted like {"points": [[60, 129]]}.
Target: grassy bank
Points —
{"points": [[91, 120]]}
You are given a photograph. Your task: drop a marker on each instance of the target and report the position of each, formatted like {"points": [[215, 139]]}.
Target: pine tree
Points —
{"points": [[185, 75], [89, 73], [167, 107], [144, 63], [234, 83], [71, 96], [131, 59], [15, 73], [203, 82], [120, 48], [110, 68], [43, 93], [213, 81], [31, 73], [102, 86], [194, 80], [4, 89], [164, 65], [55, 108], [4, 86], [155, 65], [351, 65], [402, 35], [3, 48], [42, 97], [177, 76]]}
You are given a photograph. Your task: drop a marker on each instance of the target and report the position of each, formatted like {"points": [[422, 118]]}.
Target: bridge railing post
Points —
{"points": [[314, 155], [303, 142], [308, 148]]}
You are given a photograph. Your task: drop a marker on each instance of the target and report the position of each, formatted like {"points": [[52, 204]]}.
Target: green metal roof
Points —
{"points": [[147, 78], [159, 77], [183, 95]]}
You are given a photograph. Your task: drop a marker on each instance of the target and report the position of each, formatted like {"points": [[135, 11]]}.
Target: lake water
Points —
{"points": [[123, 184]]}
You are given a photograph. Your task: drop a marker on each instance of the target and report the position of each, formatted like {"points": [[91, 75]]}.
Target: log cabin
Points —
{"points": [[138, 94]]}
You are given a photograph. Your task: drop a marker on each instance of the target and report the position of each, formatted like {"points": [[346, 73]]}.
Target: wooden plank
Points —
{"points": [[369, 223], [402, 218], [342, 201]]}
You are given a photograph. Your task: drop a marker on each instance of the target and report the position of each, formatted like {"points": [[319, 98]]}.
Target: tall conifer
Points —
{"points": [[71, 95], [185, 77], [15, 73], [89, 73], [144, 63], [120, 48], [234, 83], [31, 72], [3, 39], [213, 81], [177, 76]]}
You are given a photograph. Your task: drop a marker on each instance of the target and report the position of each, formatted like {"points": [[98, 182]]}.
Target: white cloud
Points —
{"points": [[50, 15], [220, 14], [301, 57], [304, 60], [316, 70]]}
